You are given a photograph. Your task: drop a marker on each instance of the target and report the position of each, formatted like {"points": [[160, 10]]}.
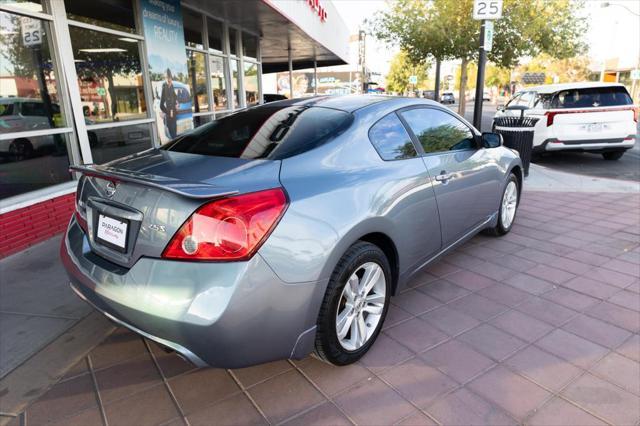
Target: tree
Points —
{"points": [[400, 70], [445, 29]]}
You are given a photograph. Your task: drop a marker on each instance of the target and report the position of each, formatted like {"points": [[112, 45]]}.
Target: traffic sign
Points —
{"points": [[487, 9], [488, 36], [31, 31], [413, 79], [635, 74]]}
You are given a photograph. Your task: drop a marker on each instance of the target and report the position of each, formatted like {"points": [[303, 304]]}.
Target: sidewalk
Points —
{"points": [[558, 298], [538, 327]]}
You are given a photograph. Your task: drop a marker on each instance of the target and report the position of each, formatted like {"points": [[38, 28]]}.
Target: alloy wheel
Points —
{"points": [[509, 204], [361, 306]]}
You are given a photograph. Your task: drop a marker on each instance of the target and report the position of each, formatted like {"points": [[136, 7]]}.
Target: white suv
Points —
{"points": [[588, 117]]}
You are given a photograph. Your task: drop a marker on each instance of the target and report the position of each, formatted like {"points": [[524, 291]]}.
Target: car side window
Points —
{"points": [[438, 131], [390, 138]]}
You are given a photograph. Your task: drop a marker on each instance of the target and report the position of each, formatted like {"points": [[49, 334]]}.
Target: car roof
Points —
{"points": [[351, 103], [348, 103], [14, 99], [552, 88]]}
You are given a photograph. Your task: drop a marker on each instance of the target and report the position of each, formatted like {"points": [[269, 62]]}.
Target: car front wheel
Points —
{"points": [[508, 207], [355, 305]]}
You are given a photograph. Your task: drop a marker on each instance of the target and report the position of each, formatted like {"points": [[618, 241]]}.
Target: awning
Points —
{"points": [[313, 30]]}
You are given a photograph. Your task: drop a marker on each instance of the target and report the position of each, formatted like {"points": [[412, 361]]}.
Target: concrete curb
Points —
{"points": [[36, 375], [548, 180]]}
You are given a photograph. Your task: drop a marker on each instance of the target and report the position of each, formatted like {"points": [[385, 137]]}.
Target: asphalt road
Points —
{"points": [[627, 168]]}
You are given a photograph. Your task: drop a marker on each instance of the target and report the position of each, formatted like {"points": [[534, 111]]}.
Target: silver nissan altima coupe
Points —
{"points": [[284, 228]]}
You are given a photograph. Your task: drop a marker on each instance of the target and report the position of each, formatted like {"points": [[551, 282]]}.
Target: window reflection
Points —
{"points": [[115, 142], [26, 5], [192, 28], [29, 101], [109, 76], [251, 83], [218, 84], [215, 29], [198, 81]]}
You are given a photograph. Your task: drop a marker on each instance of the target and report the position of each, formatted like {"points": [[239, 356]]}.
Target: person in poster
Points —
{"points": [[169, 105]]}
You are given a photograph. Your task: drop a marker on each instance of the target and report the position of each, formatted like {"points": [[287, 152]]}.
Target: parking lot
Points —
{"points": [[539, 327], [627, 168]]}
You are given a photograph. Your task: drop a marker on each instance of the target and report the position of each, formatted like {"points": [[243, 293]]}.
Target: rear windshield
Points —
{"points": [[591, 97], [271, 132]]}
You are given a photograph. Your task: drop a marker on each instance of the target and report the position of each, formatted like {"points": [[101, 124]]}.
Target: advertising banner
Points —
{"points": [[167, 58]]}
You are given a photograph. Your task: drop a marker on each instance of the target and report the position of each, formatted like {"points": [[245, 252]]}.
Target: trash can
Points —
{"points": [[517, 133]]}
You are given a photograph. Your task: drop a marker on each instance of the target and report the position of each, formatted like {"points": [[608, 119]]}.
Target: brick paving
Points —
{"points": [[539, 327]]}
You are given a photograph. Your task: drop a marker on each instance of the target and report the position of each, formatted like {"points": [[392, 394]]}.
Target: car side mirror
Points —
{"points": [[491, 140]]}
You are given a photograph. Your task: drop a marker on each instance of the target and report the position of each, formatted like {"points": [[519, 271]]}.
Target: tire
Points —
{"points": [[504, 223], [362, 258], [20, 149], [612, 155]]}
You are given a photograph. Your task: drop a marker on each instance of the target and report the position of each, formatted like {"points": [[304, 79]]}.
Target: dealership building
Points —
{"points": [[86, 82]]}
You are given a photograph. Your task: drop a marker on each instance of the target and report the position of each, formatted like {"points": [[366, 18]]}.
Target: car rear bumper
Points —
{"points": [[228, 315], [587, 145]]}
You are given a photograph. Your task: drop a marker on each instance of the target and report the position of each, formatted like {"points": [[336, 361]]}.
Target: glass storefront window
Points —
{"points": [[249, 45], [235, 83], [29, 94], [199, 120], [109, 76], [233, 41], [114, 142], [26, 5], [113, 14], [192, 22], [218, 83], [215, 29], [251, 83], [31, 163], [198, 81]]}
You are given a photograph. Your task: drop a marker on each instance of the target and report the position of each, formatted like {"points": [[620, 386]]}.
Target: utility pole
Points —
{"points": [[482, 62], [484, 11]]}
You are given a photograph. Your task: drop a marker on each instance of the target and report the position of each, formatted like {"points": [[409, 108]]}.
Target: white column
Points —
{"points": [[315, 77], [290, 75]]}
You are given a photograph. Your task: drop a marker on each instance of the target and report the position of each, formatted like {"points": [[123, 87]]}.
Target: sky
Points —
{"points": [[612, 31]]}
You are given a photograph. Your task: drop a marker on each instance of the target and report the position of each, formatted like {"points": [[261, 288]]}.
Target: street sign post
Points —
{"points": [[413, 79], [635, 74], [485, 11]]}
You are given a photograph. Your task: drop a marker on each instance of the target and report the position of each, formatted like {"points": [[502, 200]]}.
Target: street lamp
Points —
{"points": [[607, 4]]}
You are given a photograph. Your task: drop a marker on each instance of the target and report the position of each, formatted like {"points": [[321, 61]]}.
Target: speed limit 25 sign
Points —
{"points": [[487, 9]]}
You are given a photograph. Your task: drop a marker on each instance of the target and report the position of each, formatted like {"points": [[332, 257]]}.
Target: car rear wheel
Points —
{"points": [[355, 305], [508, 207], [613, 155], [20, 149]]}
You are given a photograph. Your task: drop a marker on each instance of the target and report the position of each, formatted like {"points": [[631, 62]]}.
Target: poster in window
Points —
{"points": [[167, 58]]}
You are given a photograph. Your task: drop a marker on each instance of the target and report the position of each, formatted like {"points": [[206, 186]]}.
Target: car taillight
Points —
{"points": [[232, 228], [550, 116], [80, 215]]}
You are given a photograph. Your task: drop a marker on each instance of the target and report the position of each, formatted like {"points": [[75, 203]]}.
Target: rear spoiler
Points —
{"points": [[197, 190]]}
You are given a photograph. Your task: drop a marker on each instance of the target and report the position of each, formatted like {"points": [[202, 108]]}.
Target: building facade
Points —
{"points": [[86, 82]]}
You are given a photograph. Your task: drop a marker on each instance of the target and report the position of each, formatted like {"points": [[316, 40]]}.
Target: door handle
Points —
{"points": [[444, 176]]}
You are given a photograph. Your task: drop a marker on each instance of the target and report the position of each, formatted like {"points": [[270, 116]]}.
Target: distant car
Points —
{"points": [[23, 115], [584, 117], [272, 97], [486, 96], [285, 228], [447, 98]]}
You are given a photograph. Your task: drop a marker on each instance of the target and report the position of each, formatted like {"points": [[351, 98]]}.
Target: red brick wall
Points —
{"points": [[27, 226]]}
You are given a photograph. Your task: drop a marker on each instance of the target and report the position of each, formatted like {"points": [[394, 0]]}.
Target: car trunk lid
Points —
{"points": [[133, 206]]}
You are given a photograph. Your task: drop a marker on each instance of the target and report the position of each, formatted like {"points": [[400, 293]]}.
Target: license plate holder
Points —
{"points": [[112, 232], [594, 127]]}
